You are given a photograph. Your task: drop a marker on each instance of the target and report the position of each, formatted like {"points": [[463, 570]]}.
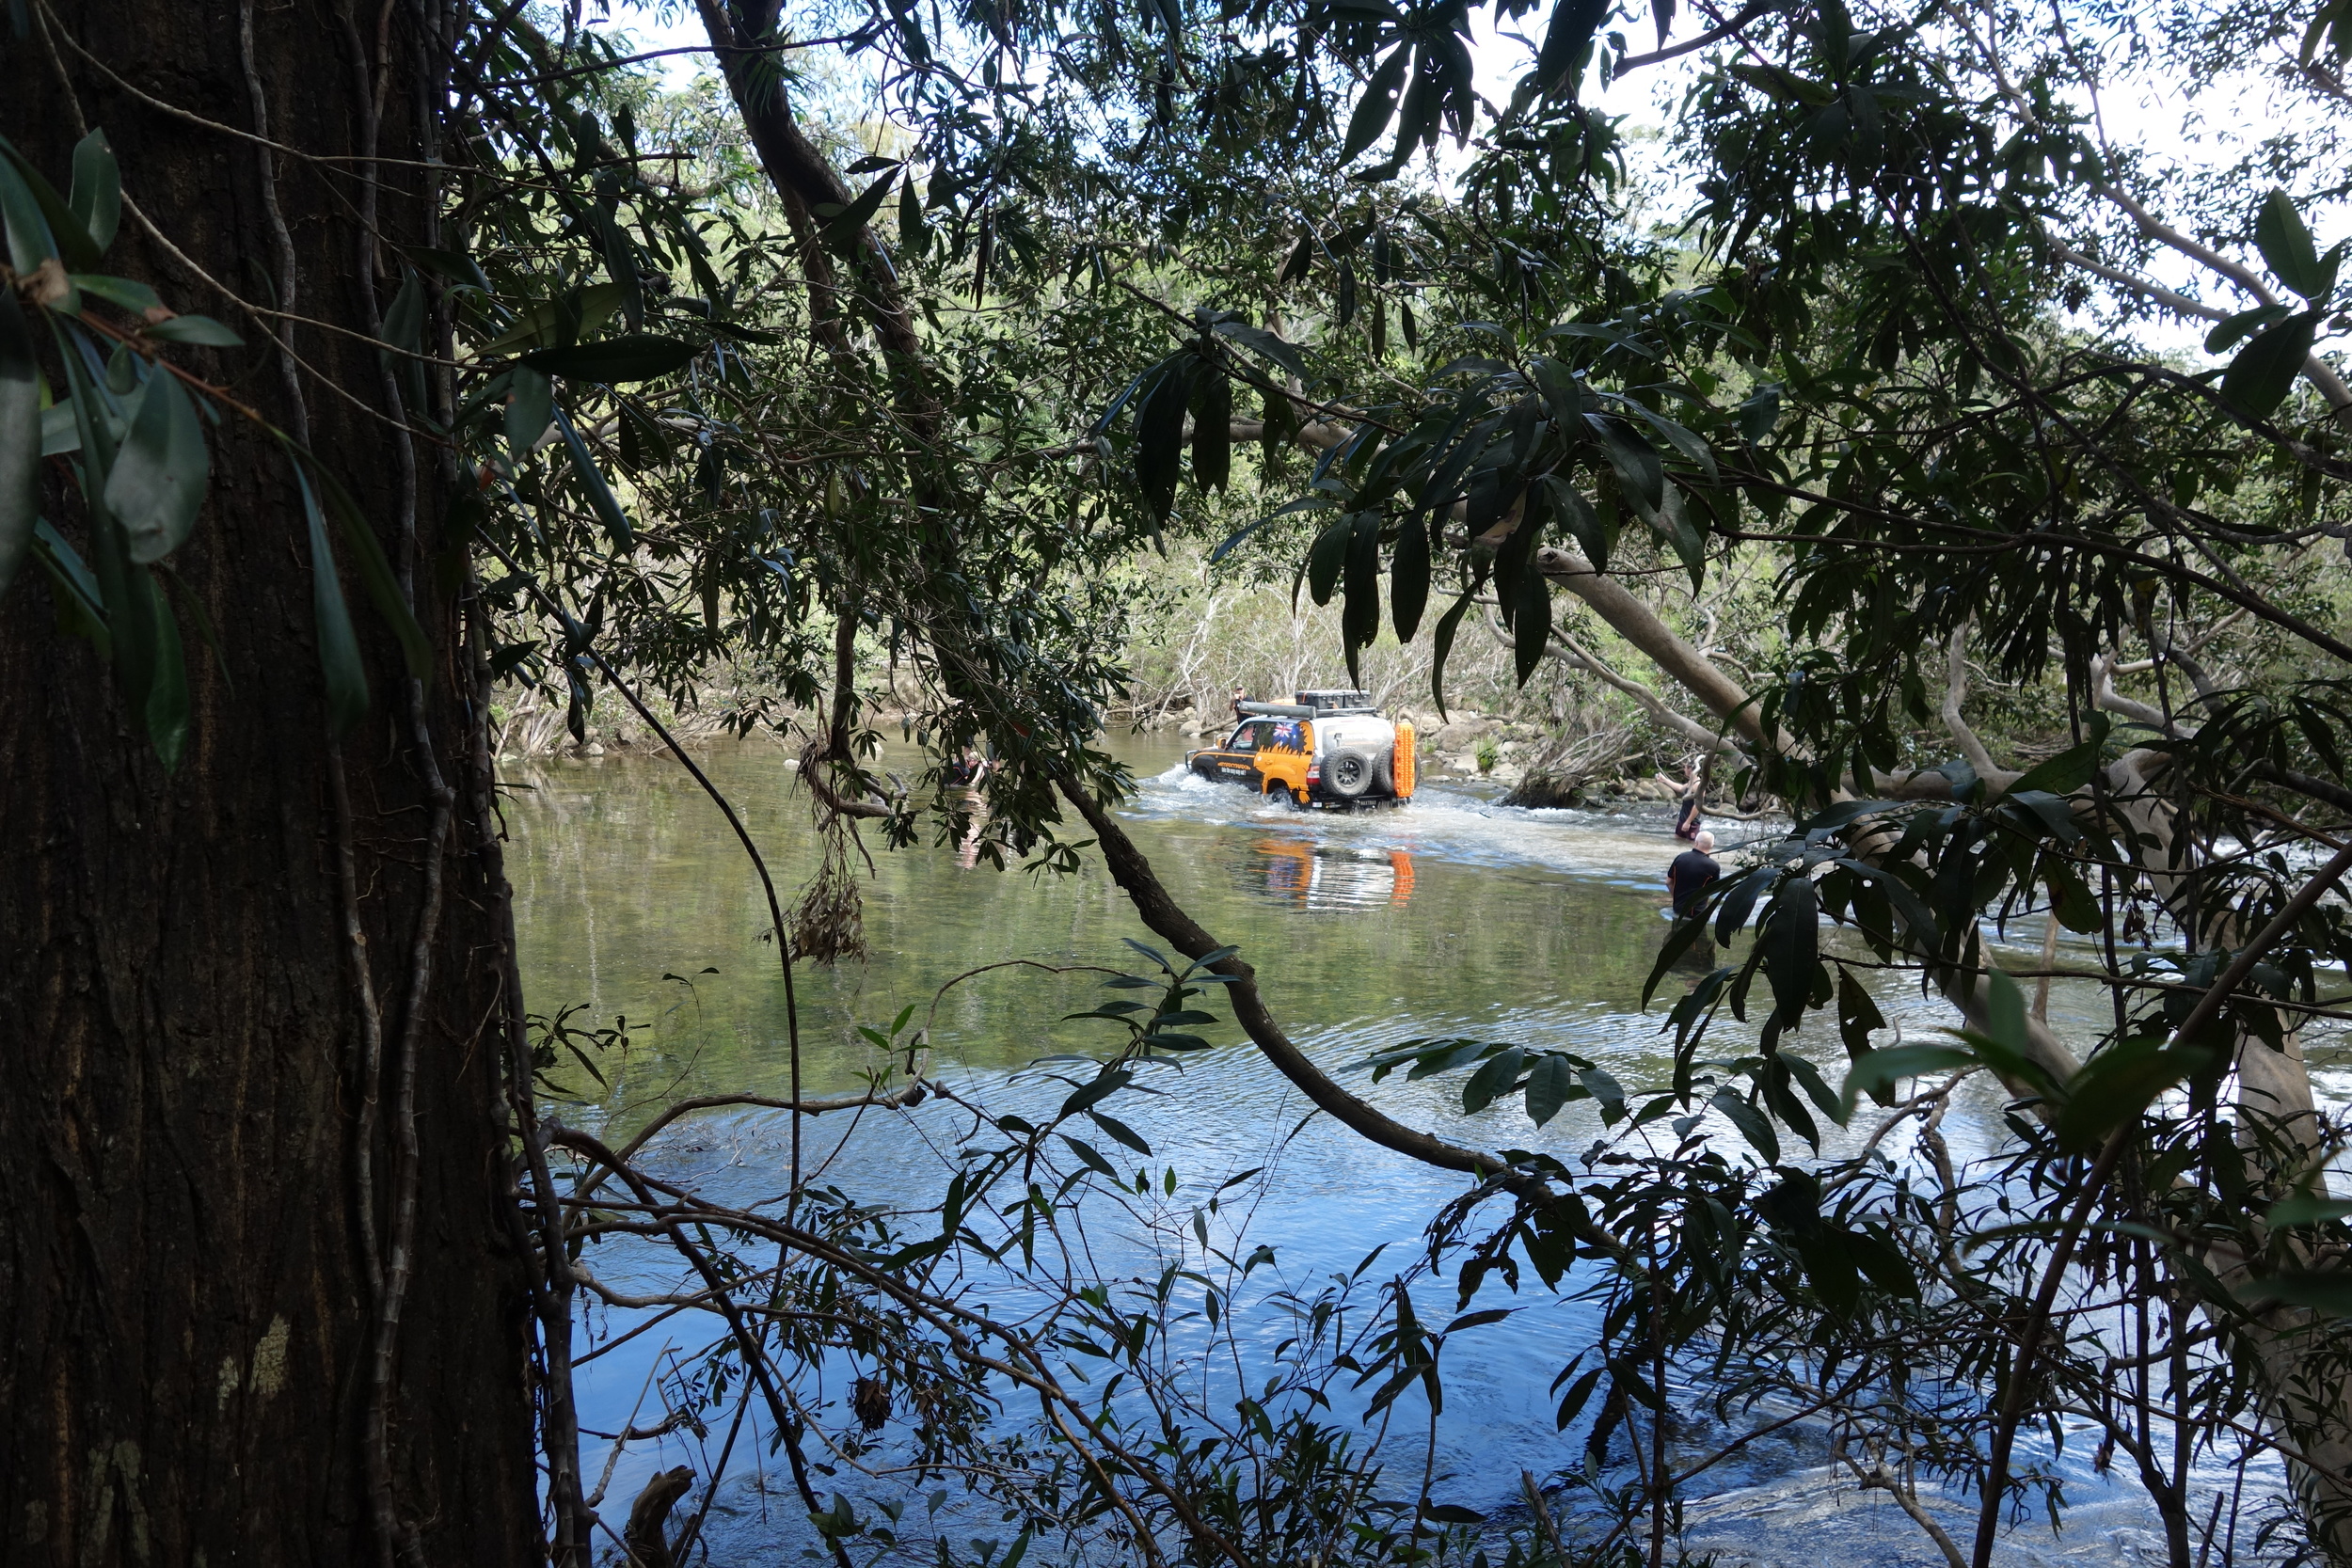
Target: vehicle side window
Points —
{"points": [[1244, 738]]}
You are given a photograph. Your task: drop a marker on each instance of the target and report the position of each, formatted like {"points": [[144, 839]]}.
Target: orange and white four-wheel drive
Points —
{"points": [[1324, 748]]}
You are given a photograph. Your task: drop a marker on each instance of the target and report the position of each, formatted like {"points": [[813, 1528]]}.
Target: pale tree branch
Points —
{"points": [[1955, 691], [2331, 386], [1567, 649], [1641, 625]]}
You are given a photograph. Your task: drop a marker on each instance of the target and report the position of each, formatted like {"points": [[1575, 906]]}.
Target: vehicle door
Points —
{"points": [[1237, 762]]}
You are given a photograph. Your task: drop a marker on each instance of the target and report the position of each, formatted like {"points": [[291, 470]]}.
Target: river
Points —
{"points": [[1450, 916]]}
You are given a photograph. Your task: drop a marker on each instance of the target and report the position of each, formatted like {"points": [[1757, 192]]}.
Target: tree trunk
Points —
{"points": [[204, 1190]]}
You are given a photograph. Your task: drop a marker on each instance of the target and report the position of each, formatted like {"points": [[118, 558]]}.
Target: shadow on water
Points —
{"points": [[1449, 917]]}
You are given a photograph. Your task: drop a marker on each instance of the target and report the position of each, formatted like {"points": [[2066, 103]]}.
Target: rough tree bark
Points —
{"points": [[192, 1284]]}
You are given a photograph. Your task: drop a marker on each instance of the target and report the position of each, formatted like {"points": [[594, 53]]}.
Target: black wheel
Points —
{"points": [[1348, 774], [1384, 773]]}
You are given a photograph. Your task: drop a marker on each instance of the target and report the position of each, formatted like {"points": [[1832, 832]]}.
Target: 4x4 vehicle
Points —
{"points": [[1327, 749]]}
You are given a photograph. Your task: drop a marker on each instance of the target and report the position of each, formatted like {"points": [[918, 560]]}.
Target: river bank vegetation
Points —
{"points": [[373, 377]]}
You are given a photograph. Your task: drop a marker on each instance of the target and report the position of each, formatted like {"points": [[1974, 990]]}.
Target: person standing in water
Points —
{"points": [[1690, 790], [1690, 873], [1241, 695], [964, 776]]}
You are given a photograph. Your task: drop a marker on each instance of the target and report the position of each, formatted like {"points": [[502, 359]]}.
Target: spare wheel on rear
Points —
{"points": [[1348, 773]]}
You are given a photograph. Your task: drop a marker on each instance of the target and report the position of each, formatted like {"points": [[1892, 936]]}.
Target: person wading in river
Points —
{"points": [[964, 776], [1690, 790], [1692, 870]]}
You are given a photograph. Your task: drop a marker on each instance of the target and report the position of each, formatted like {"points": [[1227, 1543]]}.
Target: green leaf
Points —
{"points": [[1579, 1392], [2064, 774], [911, 238], [1575, 514], [21, 425], [1327, 555], [31, 242], [1442, 645], [1792, 945], [196, 331], [2005, 1013], [1882, 1262], [2071, 899], [2263, 372], [600, 498], [339, 646], [2308, 1208], [1672, 524], [130, 633], [2114, 1087], [1091, 1155], [1359, 617], [450, 267], [124, 293], [1373, 110], [403, 324], [1212, 431], [2286, 245], [97, 196], [1259, 340], [71, 238], [1493, 1077], [1830, 1269], [1302, 257], [1160, 435], [1121, 1131], [1573, 24], [1752, 1124], [1105, 1084], [168, 713], [2327, 1292], [367, 555], [80, 606], [631, 356], [1858, 1015], [1889, 1065], [1551, 1085], [1786, 86], [2231, 328], [530, 409], [1531, 621], [1408, 578], [1635, 461], [844, 228], [161, 471], [542, 324]]}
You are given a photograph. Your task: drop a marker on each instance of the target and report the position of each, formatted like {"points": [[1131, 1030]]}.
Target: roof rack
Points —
{"points": [[1337, 701]]}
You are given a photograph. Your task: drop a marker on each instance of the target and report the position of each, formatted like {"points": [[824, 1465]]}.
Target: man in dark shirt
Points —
{"points": [[1692, 870]]}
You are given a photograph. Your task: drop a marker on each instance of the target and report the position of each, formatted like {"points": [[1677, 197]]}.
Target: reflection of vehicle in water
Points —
{"points": [[1319, 877], [1328, 748]]}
